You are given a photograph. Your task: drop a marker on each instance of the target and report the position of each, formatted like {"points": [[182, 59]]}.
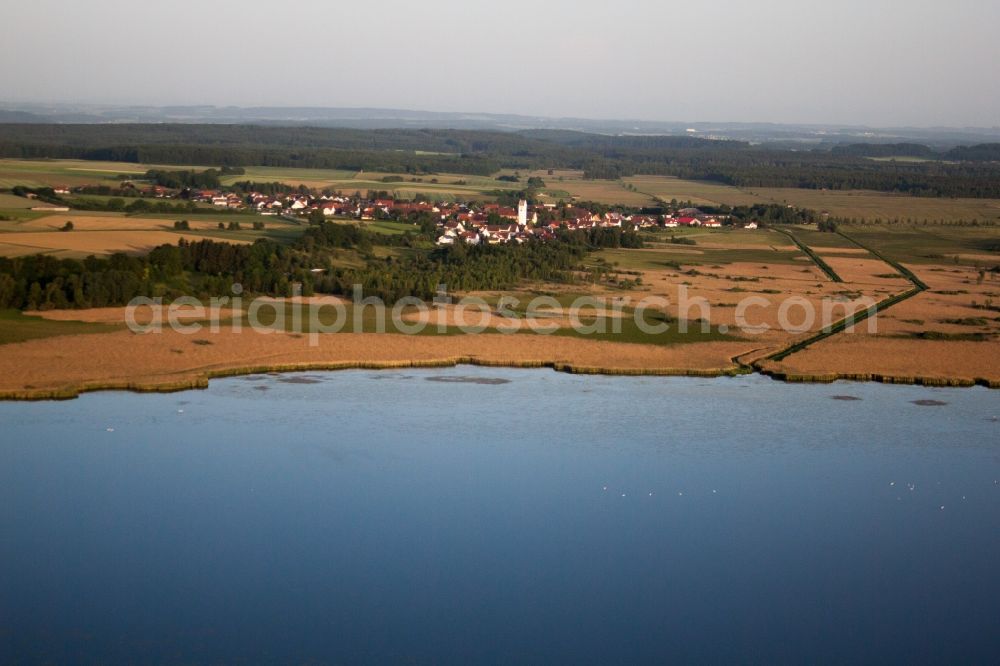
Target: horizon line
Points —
{"points": [[4, 105]]}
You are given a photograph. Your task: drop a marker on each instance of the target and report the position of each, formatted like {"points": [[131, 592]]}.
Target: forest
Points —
{"points": [[965, 171], [207, 268]]}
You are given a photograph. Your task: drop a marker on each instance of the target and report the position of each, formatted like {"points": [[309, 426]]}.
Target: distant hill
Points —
{"points": [[885, 150], [778, 135], [984, 152], [20, 117]]}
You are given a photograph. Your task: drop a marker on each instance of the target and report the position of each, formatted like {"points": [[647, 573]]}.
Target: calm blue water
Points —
{"points": [[361, 516]]}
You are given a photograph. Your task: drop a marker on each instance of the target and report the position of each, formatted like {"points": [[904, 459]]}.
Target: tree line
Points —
{"points": [[207, 268], [975, 171]]}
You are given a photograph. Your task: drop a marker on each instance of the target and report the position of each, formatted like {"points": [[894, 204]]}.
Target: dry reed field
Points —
{"points": [[763, 289], [896, 360], [170, 360], [957, 304], [122, 359], [866, 270], [949, 332]]}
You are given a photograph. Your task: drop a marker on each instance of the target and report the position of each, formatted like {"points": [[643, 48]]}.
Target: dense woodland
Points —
{"points": [[208, 268], [972, 171]]}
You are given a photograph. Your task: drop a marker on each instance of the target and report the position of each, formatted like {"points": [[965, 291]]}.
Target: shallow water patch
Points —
{"points": [[462, 379]]}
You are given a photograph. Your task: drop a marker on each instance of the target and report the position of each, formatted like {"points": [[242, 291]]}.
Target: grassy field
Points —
{"points": [[448, 186], [903, 158], [215, 218], [625, 331], [697, 192], [564, 185], [858, 204], [724, 236], [103, 233], [289, 174], [11, 202], [822, 241], [862, 204], [673, 256], [931, 244], [390, 228], [53, 173], [18, 327]]}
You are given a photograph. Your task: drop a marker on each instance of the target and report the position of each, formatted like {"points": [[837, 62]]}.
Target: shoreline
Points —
{"points": [[878, 378], [202, 380]]}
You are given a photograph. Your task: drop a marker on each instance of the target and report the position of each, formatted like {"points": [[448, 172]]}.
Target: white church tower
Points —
{"points": [[522, 213]]}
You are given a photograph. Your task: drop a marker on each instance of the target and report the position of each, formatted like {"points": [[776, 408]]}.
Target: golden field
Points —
{"points": [[62, 366], [105, 233], [948, 332], [65, 365], [81, 243]]}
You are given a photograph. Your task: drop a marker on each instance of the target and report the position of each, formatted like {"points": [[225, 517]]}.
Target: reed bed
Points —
{"points": [[202, 381]]}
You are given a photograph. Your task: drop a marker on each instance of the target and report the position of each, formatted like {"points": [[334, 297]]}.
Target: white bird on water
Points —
{"points": [[110, 429]]}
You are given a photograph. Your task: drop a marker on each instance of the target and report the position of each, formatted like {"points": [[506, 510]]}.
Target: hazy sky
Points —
{"points": [[879, 62]]}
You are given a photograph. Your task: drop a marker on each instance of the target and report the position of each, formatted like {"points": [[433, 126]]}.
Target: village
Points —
{"points": [[472, 223], [475, 223]]}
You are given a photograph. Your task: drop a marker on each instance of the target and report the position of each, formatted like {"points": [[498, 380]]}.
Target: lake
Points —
{"points": [[478, 514]]}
